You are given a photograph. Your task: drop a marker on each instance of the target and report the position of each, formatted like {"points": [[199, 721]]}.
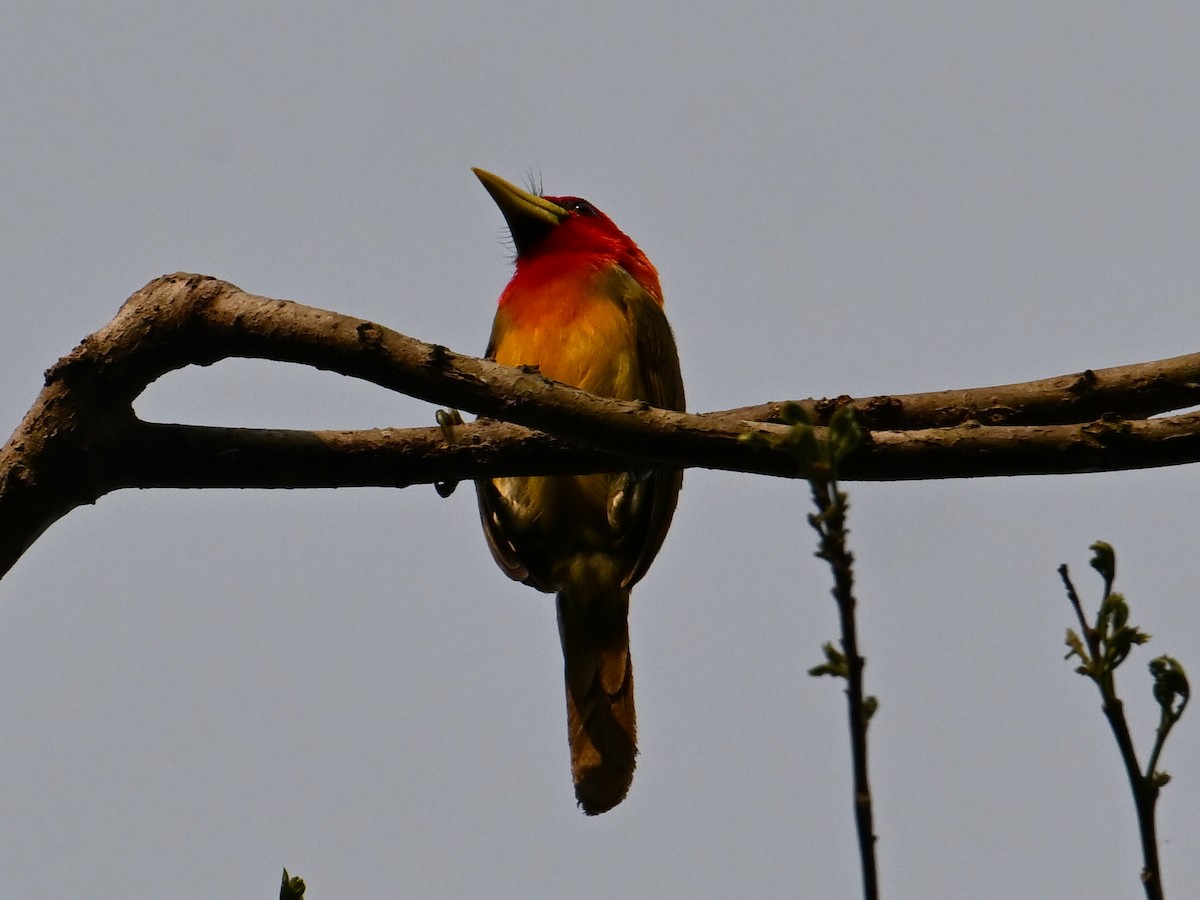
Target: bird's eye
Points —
{"points": [[582, 207]]}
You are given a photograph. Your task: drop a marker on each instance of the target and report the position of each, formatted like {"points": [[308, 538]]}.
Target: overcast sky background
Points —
{"points": [[199, 688]]}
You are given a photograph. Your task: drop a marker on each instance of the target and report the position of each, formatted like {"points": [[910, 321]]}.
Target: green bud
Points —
{"points": [[835, 664], [1119, 610], [1104, 561], [292, 887], [1075, 642], [870, 707], [844, 434], [805, 446], [1171, 688]]}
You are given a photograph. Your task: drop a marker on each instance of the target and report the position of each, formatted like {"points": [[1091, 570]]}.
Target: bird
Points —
{"points": [[585, 307]]}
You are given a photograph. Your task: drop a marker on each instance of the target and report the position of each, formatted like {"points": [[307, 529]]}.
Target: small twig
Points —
{"points": [[1101, 649], [819, 462], [830, 524], [1073, 596], [1172, 692]]}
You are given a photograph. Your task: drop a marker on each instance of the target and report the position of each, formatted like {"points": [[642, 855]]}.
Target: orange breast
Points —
{"points": [[572, 332]]}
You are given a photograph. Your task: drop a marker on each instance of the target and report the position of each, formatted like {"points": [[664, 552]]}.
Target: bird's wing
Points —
{"points": [[494, 514], [658, 370], [508, 556]]}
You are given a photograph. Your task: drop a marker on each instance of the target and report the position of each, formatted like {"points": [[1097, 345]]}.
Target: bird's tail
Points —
{"points": [[593, 623]]}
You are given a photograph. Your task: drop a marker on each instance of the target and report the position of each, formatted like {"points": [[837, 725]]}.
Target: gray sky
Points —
{"points": [[199, 688]]}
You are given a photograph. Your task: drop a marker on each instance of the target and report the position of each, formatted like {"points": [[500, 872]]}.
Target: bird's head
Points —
{"points": [[548, 227]]}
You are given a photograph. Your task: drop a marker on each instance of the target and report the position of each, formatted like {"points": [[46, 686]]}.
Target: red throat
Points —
{"points": [[579, 246]]}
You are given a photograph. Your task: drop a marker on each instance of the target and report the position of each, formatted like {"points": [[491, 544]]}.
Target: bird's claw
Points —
{"points": [[447, 419]]}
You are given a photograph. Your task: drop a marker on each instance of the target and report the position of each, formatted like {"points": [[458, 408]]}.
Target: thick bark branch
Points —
{"points": [[81, 439]]}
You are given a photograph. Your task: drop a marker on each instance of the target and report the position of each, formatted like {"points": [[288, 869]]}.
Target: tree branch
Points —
{"points": [[1134, 392], [81, 439]]}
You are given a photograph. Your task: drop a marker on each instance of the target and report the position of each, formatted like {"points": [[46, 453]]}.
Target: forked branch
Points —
{"points": [[81, 439]]}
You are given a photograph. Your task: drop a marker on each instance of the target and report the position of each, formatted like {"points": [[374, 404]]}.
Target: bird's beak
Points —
{"points": [[529, 217]]}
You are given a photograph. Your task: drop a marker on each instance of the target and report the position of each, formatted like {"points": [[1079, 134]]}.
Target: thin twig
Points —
{"points": [[1107, 644], [819, 461], [830, 524]]}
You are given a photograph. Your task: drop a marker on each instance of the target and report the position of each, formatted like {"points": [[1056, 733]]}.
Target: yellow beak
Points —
{"points": [[529, 216]]}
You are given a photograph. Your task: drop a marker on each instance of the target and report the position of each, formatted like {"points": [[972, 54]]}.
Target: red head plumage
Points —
{"points": [[552, 233]]}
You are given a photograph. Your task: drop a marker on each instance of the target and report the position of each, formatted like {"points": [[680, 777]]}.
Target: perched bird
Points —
{"points": [[585, 307]]}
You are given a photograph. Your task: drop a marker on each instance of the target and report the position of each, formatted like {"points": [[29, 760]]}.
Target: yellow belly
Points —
{"points": [[588, 344]]}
